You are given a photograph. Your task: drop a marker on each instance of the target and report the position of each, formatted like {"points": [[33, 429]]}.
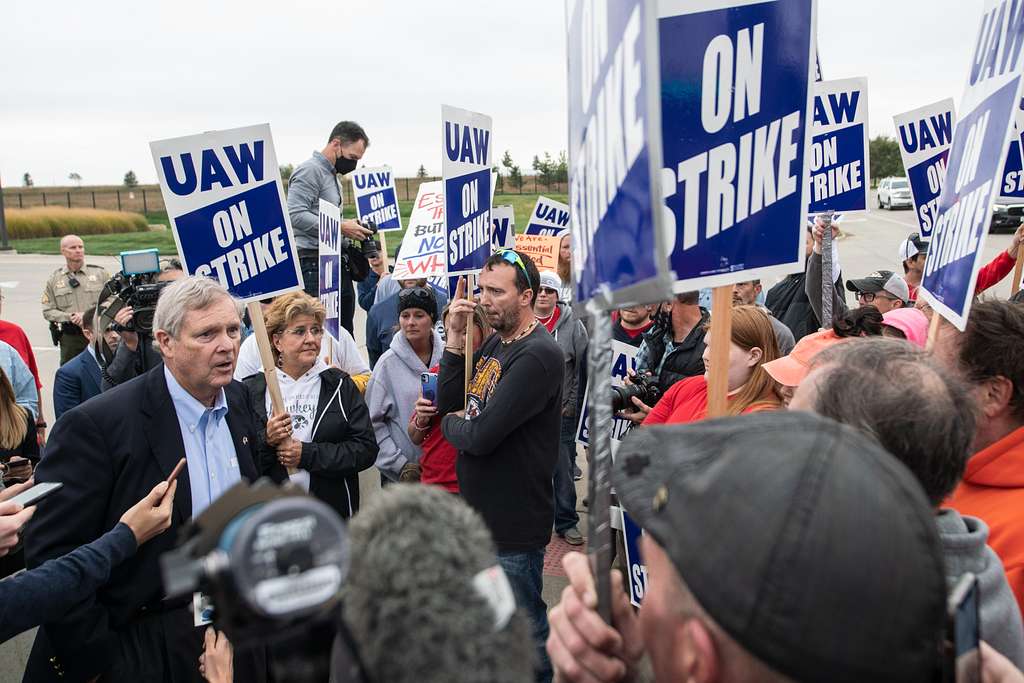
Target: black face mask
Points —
{"points": [[343, 165]]}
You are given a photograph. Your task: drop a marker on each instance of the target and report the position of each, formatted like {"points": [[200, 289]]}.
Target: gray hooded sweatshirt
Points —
{"points": [[391, 397], [964, 550], [572, 339]]}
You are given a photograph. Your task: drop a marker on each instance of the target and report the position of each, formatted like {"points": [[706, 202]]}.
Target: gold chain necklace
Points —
{"points": [[528, 330]]}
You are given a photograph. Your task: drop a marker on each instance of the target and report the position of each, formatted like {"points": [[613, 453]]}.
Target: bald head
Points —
{"points": [[72, 248]]}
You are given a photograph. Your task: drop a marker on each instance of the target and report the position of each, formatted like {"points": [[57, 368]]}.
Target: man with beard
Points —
{"points": [[631, 323], [508, 434]]}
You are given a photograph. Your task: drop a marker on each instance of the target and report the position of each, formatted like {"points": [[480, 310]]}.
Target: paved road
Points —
{"points": [[871, 242]]}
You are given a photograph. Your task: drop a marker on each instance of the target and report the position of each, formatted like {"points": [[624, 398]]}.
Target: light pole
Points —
{"points": [[4, 245]]}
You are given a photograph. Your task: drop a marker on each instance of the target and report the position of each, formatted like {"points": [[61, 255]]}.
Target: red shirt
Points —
{"points": [[437, 459], [15, 336], [550, 321], [633, 334], [687, 401]]}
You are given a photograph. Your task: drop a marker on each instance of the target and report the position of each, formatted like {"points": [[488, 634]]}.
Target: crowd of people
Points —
{"points": [[855, 474]]}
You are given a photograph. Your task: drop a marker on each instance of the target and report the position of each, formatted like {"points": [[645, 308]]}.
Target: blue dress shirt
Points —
{"points": [[209, 450]]}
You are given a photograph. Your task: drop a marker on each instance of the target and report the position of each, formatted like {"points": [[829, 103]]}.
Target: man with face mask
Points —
{"points": [[313, 180]]}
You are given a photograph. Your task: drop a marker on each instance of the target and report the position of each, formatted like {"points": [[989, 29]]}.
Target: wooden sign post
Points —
{"points": [[259, 328], [721, 338]]}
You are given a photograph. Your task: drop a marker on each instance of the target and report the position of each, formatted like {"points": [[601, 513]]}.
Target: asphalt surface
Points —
{"points": [[869, 242]]}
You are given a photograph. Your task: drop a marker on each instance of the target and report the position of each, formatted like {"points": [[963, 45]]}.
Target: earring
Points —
{"points": [[280, 361]]}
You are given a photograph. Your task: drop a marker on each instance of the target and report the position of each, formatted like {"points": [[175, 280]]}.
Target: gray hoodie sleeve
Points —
{"points": [[812, 286], [383, 413], [579, 343]]}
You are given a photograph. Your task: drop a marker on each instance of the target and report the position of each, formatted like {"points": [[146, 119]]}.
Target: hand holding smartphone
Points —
{"points": [[428, 386]]}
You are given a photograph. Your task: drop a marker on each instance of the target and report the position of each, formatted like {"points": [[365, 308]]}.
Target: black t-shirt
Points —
{"points": [[509, 445]]}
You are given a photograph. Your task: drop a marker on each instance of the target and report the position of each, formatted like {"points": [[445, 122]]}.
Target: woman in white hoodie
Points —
{"points": [[395, 384], [325, 432]]}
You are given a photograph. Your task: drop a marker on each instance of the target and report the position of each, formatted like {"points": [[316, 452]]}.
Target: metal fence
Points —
{"points": [[147, 198]]}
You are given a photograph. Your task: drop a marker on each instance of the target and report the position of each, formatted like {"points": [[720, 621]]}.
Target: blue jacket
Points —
{"points": [[77, 381], [382, 321]]}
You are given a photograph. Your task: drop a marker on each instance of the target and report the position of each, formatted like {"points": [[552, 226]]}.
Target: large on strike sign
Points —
{"points": [[736, 91], [226, 204], [975, 165], [618, 253]]}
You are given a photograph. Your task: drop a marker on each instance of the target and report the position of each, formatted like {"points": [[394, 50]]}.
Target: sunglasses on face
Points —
{"points": [[548, 290]]}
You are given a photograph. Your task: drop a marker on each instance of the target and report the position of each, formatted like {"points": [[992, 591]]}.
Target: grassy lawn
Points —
{"points": [[111, 245]]}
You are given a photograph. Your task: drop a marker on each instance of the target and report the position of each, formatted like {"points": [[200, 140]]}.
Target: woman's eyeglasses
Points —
{"points": [[301, 332]]}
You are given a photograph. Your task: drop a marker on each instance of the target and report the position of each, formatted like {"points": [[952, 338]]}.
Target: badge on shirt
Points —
{"points": [[202, 609], [92, 278]]}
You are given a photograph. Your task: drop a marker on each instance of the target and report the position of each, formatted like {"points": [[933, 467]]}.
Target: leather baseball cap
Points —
{"points": [[881, 280], [804, 540]]}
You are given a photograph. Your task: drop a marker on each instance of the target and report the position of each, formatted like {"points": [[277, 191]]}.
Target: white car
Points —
{"points": [[894, 192]]}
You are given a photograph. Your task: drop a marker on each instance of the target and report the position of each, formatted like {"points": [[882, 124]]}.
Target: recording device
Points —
{"points": [[644, 387], [428, 386], [135, 285], [371, 246], [273, 560], [33, 495], [73, 281], [962, 644]]}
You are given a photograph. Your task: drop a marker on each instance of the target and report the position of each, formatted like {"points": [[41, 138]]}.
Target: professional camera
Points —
{"points": [[135, 285], [644, 387], [371, 246]]}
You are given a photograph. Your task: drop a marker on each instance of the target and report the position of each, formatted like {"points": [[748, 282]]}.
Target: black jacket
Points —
{"points": [[685, 360], [789, 303], [343, 442], [109, 453]]}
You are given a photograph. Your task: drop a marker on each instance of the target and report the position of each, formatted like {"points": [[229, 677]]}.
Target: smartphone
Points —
{"points": [[36, 493], [963, 632], [428, 382]]}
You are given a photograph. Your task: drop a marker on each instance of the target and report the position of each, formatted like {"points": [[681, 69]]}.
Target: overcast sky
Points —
{"points": [[86, 86]]}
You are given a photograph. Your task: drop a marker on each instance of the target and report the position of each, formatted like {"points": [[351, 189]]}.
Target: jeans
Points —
{"points": [[566, 516], [310, 267], [525, 572]]}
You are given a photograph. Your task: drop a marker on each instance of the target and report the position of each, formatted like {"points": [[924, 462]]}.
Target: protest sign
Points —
{"points": [[1011, 190], [619, 255], [376, 200], [839, 155], [635, 567], [330, 266], [421, 254], [548, 218], [623, 359], [543, 249], [466, 168], [736, 79], [975, 164], [227, 208], [503, 227], [924, 136]]}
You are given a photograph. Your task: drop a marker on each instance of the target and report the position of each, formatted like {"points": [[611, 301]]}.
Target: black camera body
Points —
{"points": [[370, 246], [140, 291], [644, 387]]}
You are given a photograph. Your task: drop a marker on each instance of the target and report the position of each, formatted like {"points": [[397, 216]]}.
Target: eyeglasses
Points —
{"points": [[511, 257], [868, 297], [301, 332]]}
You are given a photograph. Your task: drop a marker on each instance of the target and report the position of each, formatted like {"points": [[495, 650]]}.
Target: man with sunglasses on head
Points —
{"points": [[507, 429]]}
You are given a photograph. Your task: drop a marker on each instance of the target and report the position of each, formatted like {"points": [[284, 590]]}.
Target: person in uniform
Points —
{"points": [[71, 290]]}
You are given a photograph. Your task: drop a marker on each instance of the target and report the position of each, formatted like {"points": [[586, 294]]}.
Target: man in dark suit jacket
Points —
{"points": [[110, 452], [79, 379]]}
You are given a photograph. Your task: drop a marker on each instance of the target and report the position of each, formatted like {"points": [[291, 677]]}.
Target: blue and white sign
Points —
{"points": [[924, 136], [1012, 189], [376, 200], [840, 159], [635, 566], [736, 94], [623, 360], [619, 255], [548, 218], [226, 205], [503, 227], [330, 266], [975, 165], [466, 168]]}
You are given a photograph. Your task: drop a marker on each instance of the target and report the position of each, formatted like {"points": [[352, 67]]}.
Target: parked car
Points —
{"points": [[1006, 217], [894, 192]]}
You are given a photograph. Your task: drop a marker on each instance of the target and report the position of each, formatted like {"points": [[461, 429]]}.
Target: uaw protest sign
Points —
{"points": [[976, 160], [839, 161], [466, 168], [736, 81], [376, 200], [226, 205], [619, 254], [925, 135]]}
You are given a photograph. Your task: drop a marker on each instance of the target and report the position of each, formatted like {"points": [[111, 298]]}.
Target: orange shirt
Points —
{"points": [[687, 401], [993, 489]]}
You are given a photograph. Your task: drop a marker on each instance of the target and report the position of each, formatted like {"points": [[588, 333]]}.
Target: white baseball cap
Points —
{"points": [[912, 246], [550, 279]]}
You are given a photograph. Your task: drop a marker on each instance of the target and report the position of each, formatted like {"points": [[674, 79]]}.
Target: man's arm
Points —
{"points": [[516, 398], [303, 195], [67, 392], [77, 456], [812, 286], [366, 290]]}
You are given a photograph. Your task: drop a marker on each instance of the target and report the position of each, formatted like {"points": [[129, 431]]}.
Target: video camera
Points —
{"points": [[370, 246], [135, 286], [644, 387]]}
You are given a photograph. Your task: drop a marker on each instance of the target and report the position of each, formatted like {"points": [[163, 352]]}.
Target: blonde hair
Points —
{"points": [[752, 329], [286, 308], [13, 418]]}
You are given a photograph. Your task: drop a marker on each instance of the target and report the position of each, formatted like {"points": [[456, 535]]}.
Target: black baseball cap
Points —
{"points": [[804, 540]]}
